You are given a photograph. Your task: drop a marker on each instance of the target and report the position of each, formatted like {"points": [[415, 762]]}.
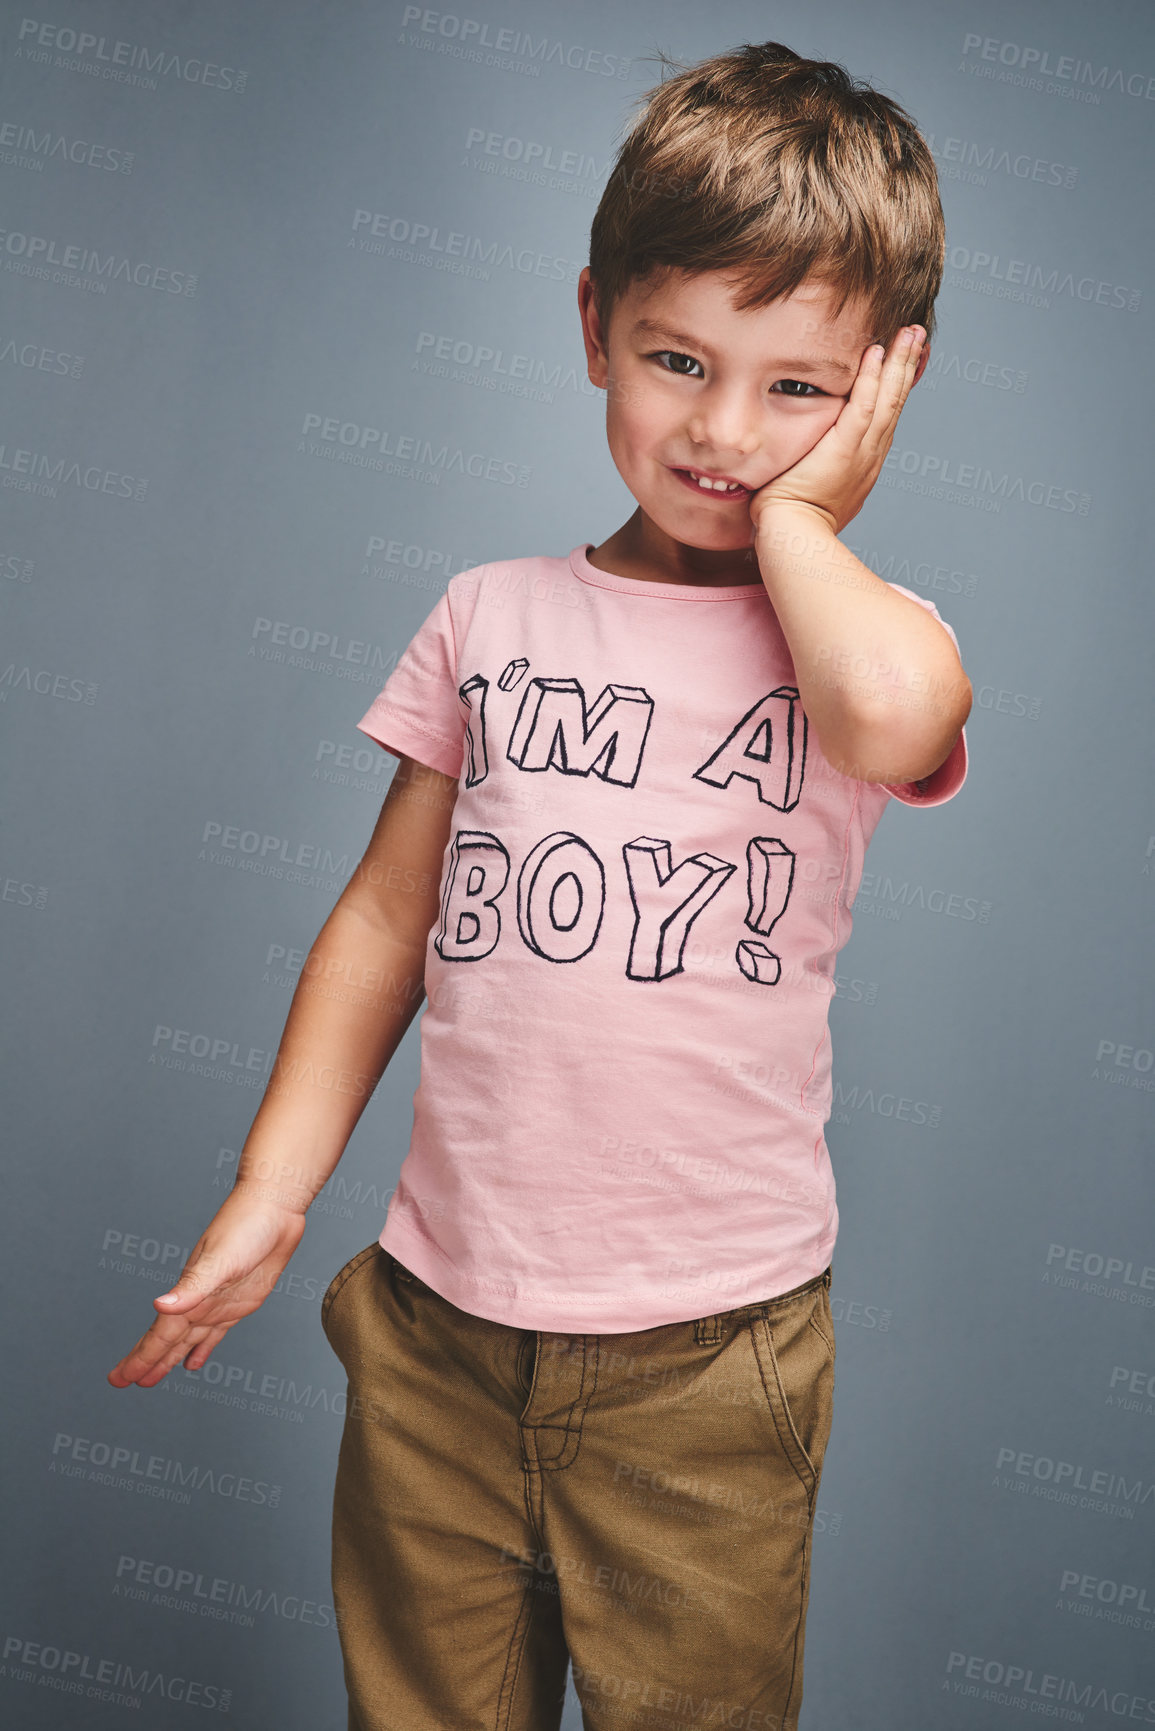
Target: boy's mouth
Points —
{"points": [[711, 486]]}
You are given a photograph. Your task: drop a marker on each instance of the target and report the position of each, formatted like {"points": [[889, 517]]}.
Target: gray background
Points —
{"points": [[994, 1287]]}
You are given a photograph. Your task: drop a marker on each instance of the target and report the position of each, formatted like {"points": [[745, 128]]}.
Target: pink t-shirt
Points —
{"points": [[625, 1057]]}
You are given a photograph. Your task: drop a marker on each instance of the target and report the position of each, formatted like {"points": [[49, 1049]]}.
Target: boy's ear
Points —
{"points": [[593, 336]]}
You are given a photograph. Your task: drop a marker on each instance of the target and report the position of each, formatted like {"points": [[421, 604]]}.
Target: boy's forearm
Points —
{"points": [[360, 988], [879, 678]]}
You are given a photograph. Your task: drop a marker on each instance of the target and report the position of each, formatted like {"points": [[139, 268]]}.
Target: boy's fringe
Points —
{"points": [[776, 169]]}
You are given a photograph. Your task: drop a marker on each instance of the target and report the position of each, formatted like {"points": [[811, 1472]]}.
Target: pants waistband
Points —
{"points": [[708, 1329]]}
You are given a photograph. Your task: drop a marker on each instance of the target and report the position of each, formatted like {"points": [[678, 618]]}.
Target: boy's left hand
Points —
{"points": [[835, 476]]}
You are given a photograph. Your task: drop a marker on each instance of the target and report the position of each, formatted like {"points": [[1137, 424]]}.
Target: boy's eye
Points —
{"points": [[673, 355], [672, 361], [795, 388]]}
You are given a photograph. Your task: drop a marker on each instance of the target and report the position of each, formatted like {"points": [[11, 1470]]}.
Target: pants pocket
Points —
{"points": [[822, 1322], [794, 1351], [408, 1278], [339, 1280]]}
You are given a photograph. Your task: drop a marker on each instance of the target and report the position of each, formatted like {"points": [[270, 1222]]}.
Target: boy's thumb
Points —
{"points": [[194, 1283]]}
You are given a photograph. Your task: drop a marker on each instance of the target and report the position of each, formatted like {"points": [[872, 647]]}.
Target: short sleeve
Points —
{"points": [[944, 782], [417, 712]]}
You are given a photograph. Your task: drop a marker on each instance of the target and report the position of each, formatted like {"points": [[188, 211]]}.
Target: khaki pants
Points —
{"points": [[508, 1500]]}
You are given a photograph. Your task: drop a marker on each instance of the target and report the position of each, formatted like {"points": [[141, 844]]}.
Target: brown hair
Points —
{"points": [[775, 169]]}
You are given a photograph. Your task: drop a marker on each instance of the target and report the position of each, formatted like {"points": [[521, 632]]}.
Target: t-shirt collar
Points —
{"points": [[645, 590]]}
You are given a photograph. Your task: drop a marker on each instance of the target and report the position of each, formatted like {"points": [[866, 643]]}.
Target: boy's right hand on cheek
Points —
{"points": [[232, 1269]]}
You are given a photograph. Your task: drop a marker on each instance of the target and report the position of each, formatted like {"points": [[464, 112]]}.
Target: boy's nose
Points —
{"points": [[727, 434]]}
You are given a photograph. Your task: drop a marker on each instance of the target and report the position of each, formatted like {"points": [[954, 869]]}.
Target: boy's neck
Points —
{"points": [[640, 550]]}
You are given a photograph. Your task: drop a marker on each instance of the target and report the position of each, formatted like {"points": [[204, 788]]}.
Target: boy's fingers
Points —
{"points": [[170, 1360], [172, 1337], [200, 1353], [867, 384], [169, 1337], [151, 1360], [902, 364], [890, 387], [882, 387]]}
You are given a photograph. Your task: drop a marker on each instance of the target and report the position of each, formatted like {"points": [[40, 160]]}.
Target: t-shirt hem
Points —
{"points": [[616, 1313], [400, 735], [941, 785]]}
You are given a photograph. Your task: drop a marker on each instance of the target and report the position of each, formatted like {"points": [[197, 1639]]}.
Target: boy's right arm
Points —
{"points": [[360, 988]]}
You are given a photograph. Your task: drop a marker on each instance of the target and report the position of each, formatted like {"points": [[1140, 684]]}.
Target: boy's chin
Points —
{"points": [[709, 538]]}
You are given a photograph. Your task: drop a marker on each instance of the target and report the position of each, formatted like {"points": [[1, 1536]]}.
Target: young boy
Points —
{"points": [[591, 1358]]}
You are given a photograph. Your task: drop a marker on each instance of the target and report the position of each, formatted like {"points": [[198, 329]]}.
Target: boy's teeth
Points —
{"points": [[715, 486]]}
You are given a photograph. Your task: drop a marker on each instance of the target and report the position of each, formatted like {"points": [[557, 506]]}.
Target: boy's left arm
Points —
{"points": [[878, 676]]}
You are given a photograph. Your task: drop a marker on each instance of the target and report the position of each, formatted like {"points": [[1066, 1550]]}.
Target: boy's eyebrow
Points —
{"points": [[824, 363]]}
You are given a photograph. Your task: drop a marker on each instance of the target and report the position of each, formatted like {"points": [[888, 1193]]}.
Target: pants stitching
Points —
{"points": [[342, 1277], [572, 1431], [708, 1330], [804, 1574], [521, 1628], [823, 1337], [790, 1435]]}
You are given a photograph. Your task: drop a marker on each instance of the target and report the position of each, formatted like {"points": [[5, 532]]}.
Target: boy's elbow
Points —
{"points": [[908, 744], [917, 746]]}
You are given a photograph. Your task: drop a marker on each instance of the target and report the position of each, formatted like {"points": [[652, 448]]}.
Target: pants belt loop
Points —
{"points": [[708, 1330]]}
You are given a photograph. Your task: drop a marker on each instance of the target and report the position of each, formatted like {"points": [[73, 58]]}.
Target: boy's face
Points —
{"points": [[692, 384]]}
